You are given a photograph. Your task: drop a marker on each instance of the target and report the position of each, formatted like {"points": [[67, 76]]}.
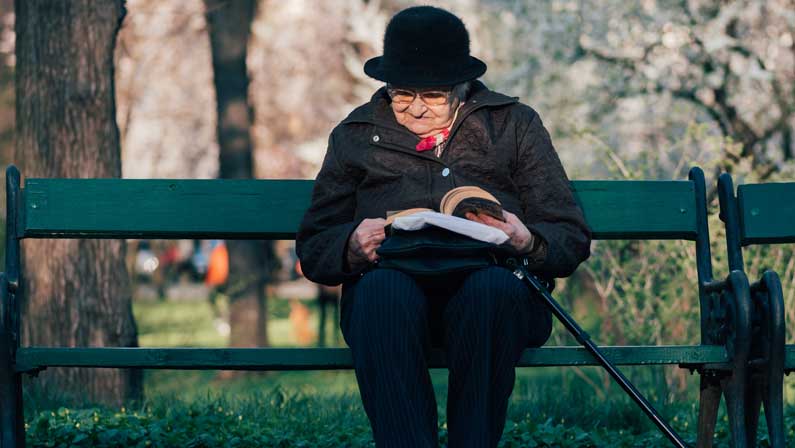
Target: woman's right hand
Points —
{"points": [[363, 242]]}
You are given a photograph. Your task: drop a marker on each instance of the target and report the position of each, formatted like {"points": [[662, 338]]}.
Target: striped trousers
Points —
{"points": [[483, 320]]}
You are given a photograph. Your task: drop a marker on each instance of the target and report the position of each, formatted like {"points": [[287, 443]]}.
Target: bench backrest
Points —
{"points": [[766, 213], [272, 209], [758, 214]]}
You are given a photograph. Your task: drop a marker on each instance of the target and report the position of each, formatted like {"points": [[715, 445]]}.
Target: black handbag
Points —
{"points": [[435, 251]]}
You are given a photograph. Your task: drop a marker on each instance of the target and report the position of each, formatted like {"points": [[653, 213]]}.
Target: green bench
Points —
{"points": [[272, 209], [762, 214]]}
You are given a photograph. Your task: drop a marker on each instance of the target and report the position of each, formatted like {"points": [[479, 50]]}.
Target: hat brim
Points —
{"points": [[375, 68]]}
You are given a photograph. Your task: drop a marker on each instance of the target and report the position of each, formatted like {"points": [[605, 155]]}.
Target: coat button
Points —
{"points": [[446, 172], [376, 138]]}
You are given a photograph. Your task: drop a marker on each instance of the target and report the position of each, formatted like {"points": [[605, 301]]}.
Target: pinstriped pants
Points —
{"points": [[483, 320]]}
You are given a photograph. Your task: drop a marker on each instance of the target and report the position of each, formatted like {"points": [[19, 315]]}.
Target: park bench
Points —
{"points": [[272, 209], [762, 214]]}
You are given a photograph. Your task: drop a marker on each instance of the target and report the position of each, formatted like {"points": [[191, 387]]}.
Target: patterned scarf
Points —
{"points": [[433, 141]]}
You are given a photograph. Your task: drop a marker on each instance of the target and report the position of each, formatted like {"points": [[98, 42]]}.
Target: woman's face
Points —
{"points": [[422, 118]]}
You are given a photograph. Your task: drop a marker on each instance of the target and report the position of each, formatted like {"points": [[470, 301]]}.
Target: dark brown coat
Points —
{"points": [[496, 143]]}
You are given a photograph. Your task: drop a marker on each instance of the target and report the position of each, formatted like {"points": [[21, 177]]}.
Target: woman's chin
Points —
{"points": [[420, 130]]}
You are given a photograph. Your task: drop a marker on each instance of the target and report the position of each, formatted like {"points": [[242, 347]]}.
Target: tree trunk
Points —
{"points": [[229, 26], [76, 292]]}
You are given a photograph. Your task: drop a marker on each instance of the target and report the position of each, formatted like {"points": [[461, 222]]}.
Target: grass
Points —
{"points": [[197, 408]]}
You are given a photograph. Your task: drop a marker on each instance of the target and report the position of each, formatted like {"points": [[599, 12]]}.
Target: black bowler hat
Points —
{"points": [[425, 47]]}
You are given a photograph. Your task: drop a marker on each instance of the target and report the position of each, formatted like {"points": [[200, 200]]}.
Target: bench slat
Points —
{"points": [[767, 213], [34, 358], [272, 209], [623, 209], [789, 357], [156, 208]]}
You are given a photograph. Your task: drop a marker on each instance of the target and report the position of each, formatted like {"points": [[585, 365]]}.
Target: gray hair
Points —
{"points": [[461, 91]]}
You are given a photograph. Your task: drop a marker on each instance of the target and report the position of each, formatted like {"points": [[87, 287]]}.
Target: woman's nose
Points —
{"points": [[417, 108]]}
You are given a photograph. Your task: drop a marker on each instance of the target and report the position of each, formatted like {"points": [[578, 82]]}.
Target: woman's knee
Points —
{"points": [[496, 298], [494, 287]]}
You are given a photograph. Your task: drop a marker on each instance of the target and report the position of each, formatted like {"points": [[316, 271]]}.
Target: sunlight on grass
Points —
{"points": [[190, 324]]}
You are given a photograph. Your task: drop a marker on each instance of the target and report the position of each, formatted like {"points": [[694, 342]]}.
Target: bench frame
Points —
{"points": [[721, 358], [768, 357]]}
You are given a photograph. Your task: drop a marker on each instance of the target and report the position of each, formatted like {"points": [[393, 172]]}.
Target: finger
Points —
{"points": [[473, 217], [374, 224], [371, 247], [507, 228], [517, 223], [508, 215], [376, 238]]}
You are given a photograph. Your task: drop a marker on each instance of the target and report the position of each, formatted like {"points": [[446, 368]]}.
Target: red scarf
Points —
{"points": [[433, 141]]}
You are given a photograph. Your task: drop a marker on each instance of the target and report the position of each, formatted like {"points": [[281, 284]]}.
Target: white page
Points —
{"points": [[472, 229]]}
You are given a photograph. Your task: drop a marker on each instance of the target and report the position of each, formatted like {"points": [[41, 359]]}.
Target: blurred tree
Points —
{"points": [[164, 91], [76, 292], [320, 47], [732, 60], [637, 75], [229, 25]]}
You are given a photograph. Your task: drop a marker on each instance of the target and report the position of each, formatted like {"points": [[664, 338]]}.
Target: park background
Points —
{"points": [[629, 90]]}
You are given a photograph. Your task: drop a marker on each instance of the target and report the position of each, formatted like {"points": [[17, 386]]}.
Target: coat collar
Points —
{"points": [[389, 134]]}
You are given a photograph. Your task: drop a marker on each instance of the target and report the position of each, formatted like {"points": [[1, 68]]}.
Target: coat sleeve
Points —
{"points": [[550, 210], [322, 238]]}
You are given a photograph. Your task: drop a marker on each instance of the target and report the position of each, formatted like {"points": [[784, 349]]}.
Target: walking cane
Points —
{"points": [[585, 340]]}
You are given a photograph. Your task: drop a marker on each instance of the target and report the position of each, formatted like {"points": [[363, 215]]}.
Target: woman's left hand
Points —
{"points": [[520, 238]]}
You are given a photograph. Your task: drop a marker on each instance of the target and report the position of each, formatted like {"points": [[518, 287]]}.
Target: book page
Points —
{"points": [[392, 215], [472, 229]]}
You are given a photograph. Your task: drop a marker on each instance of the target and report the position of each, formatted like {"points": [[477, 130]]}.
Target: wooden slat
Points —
{"points": [[767, 213], [35, 358], [272, 209], [789, 357], [152, 208], [638, 209]]}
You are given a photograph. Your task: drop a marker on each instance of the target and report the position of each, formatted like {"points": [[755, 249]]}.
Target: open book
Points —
{"points": [[451, 215], [458, 202]]}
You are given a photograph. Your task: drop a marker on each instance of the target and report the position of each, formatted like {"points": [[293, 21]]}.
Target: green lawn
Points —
{"points": [[549, 406]]}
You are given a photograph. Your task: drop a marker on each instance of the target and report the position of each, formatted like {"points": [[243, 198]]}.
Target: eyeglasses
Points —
{"points": [[404, 97]]}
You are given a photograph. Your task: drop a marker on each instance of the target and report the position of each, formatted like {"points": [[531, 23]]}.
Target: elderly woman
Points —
{"points": [[433, 127]]}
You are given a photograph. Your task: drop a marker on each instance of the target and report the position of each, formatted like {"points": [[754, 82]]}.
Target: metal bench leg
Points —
{"points": [[709, 400], [12, 419], [753, 401], [735, 405], [766, 375], [728, 324], [734, 386], [773, 371]]}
